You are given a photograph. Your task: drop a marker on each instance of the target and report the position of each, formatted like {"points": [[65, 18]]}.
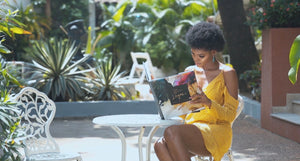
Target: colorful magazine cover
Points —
{"points": [[172, 93]]}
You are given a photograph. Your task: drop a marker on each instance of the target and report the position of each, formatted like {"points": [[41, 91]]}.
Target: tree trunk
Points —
{"points": [[240, 42], [48, 10]]}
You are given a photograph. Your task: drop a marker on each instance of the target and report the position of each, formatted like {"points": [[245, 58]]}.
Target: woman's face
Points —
{"points": [[201, 57]]}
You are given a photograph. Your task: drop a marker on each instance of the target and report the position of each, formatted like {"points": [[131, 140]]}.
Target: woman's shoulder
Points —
{"points": [[231, 79], [229, 72], [226, 68], [189, 68]]}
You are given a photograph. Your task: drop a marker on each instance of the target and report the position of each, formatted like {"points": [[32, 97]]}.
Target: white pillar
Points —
{"points": [[92, 17], [18, 3]]}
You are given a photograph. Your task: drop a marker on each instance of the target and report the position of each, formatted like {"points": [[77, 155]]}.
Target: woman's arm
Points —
{"points": [[231, 82], [227, 111]]}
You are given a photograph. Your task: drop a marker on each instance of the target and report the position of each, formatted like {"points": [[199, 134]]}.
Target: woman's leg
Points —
{"points": [[180, 142], [161, 150]]}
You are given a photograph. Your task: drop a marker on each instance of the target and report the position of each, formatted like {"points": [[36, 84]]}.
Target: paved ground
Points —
{"points": [[98, 143]]}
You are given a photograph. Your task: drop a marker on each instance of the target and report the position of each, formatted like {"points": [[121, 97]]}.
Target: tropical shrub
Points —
{"points": [[62, 12], [54, 72], [10, 133], [252, 78], [274, 13], [105, 79], [36, 24], [9, 25], [156, 27]]}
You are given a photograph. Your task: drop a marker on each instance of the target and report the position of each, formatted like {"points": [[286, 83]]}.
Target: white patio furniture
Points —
{"points": [[135, 120], [137, 73], [229, 153], [37, 113], [226, 59]]}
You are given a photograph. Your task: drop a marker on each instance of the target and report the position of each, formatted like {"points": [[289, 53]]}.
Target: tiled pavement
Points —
{"points": [[98, 143]]}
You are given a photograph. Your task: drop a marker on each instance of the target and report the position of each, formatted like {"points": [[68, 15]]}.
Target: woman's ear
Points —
{"points": [[214, 52]]}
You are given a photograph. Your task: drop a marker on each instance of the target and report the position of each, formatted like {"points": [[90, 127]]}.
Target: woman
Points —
{"points": [[209, 131]]}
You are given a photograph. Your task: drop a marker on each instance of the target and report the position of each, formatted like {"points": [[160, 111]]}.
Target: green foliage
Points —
{"points": [[62, 12], [10, 133], [35, 24], [54, 72], [253, 80], [156, 27], [294, 58], [9, 25], [274, 13], [105, 79]]}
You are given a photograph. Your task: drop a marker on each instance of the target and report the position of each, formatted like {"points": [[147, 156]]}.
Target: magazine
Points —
{"points": [[172, 93]]}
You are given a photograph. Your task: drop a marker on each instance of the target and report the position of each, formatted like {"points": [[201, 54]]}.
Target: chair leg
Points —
{"points": [[200, 158], [229, 154]]}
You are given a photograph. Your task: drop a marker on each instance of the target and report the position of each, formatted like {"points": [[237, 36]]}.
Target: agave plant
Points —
{"points": [[105, 77], [54, 72]]}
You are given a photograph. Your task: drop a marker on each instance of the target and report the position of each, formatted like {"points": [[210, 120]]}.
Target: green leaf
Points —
{"points": [[194, 8], [89, 41], [294, 58], [4, 50], [119, 14]]}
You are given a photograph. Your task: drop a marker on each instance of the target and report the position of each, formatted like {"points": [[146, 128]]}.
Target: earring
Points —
{"points": [[213, 59]]}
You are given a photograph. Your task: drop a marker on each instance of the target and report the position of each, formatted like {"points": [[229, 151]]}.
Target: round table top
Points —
{"points": [[134, 120]]}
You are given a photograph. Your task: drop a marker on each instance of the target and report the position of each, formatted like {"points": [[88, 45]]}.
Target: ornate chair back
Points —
{"points": [[37, 112]]}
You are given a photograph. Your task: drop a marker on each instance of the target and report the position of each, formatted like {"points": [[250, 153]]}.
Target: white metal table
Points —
{"points": [[135, 120]]}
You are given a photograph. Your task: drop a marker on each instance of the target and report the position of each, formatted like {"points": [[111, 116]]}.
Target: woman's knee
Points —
{"points": [[159, 144], [171, 133]]}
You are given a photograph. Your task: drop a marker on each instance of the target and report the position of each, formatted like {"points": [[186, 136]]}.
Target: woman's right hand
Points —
{"points": [[199, 100]]}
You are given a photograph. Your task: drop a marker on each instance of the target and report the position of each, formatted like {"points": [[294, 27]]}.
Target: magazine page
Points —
{"points": [[173, 93]]}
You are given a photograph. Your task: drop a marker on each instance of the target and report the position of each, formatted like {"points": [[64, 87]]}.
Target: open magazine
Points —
{"points": [[172, 93]]}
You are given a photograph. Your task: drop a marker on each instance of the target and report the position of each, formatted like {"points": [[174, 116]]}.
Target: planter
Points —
{"points": [[276, 44], [99, 108]]}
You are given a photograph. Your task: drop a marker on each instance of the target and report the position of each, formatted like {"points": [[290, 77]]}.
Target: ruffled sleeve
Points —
{"points": [[227, 111]]}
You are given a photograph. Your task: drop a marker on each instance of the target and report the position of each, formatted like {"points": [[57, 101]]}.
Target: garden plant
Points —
{"points": [[54, 72], [137, 26], [10, 133]]}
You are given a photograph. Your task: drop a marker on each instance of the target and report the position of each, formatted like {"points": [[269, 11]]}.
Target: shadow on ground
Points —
{"points": [[250, 141]]}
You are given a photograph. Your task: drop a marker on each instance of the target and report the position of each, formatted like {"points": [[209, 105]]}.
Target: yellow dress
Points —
{"points": [[215, 123]]}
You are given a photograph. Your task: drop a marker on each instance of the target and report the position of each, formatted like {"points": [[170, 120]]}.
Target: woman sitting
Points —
{"points": [[209, 131]]}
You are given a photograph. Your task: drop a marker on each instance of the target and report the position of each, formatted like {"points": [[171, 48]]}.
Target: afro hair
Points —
{"points": [[205, 35]]}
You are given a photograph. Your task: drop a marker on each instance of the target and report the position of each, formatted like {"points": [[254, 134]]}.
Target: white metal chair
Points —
{"points": [[37, 113], [229, 152], [137, 72], [226, 59]]}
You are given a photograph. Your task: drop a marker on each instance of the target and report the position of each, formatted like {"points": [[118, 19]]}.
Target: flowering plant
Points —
{"points": [[274, 13]]}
